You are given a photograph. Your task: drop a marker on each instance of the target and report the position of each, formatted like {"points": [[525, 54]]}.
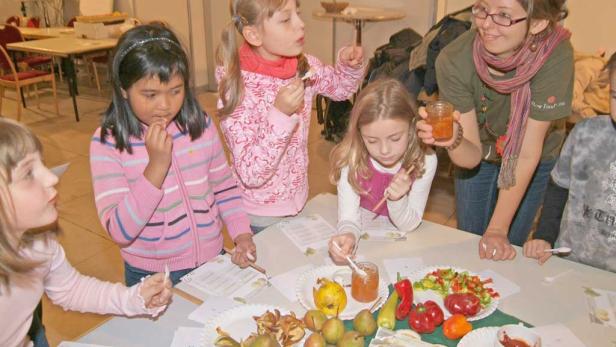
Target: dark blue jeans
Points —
{"points": [[37, 330], [477, 192], [133, 275], [256, 229]]}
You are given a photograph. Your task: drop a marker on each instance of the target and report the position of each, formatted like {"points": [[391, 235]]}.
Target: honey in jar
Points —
{"points": [[365, 288]]}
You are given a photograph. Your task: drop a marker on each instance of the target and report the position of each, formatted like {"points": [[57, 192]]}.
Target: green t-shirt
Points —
{"points": [[551, 94]]}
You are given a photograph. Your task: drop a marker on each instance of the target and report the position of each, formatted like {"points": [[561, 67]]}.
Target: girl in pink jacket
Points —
{"points": [[33, 262], [266, 86]]}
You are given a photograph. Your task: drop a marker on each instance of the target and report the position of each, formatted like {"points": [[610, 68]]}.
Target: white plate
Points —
{"points": [[342, 275], [238, 322], [482, 337], [423, 295]]}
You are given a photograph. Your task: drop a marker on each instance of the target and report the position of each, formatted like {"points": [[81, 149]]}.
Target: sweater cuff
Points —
{"points": [[238, 226], [346, 226], [282, 122]]}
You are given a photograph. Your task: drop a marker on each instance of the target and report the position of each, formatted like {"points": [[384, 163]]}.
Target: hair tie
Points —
{"points": [[238, 21], [143, 42]]}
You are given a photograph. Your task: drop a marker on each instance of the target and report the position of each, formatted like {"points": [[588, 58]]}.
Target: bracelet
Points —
{"points": [[459, 137]]}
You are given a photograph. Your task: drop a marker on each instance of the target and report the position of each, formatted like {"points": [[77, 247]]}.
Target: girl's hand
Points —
{"points": [[156, 291], [424, 130], [399, 186], [346, 241], [245, 250], [290, 98], [536, 249], [159, 145], [495, 245], [352, 56]]}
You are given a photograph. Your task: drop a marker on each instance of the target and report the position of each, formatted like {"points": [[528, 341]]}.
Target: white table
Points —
{"points": [[562, 302]]}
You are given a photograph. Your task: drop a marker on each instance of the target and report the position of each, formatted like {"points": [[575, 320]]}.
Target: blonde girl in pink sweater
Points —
{"points": [[265, 101], [33, 263]]}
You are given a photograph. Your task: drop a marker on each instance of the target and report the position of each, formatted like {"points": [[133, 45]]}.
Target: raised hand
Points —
{"points": [[352, 56], [346, 241], [159, 145], [290, 98]]}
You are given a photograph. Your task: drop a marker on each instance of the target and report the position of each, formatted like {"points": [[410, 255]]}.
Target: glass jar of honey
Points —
{"points": [[365, 288]]}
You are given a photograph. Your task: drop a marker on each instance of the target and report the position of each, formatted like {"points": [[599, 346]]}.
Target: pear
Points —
{"points": [[315, 340], [333, 330], [314, 320], [265, 341], [364, 323], [351, 339]]}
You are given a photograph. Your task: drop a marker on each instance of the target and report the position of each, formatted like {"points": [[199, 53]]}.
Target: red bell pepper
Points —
{"points": [[404, 288], [467, 304], [424, 318]]}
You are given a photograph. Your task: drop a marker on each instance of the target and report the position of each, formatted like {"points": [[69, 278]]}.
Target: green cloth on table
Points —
{"points": [[496, 319]]}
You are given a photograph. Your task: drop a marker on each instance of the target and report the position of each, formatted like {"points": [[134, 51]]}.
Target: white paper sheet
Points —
{"points": [[557, 335], [601, 306], [309, 232], [188, 337], [211, 308], [77, 344], [502, 285], [220, 277], [404, 266], [285, 283], [379, 228]]}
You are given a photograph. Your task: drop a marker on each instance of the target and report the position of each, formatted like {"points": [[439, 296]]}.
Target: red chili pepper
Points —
{"points": [[424, 318], [404, 288], [467, 304]]}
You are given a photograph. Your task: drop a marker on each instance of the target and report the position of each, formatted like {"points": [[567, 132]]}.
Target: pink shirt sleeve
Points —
{"points": [[76, 292]]}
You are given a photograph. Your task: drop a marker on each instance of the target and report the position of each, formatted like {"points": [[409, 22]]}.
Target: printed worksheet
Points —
{"points": [[220, 277], [308, 233], [379, 228], [601, 306]]}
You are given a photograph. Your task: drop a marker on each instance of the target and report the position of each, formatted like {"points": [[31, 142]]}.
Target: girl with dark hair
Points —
{"points": [[161, 181], [511, 79]]}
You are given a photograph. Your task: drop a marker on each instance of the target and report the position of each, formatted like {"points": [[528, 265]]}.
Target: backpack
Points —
{"points": [[389, 60]]}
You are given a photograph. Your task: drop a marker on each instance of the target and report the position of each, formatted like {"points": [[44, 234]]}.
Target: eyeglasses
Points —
{"points": [[501, 19]]}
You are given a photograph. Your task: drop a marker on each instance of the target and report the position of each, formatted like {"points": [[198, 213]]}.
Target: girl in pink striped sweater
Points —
{"points": [[33, 262], [265, 99], [161, 181]]}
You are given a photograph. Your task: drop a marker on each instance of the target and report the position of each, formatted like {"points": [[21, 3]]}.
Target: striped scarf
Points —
{"points": [[526, 62]]}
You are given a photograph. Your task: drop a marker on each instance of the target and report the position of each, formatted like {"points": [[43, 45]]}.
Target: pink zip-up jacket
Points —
{"points": [[179, 224], [269, 148], [65, 287]]}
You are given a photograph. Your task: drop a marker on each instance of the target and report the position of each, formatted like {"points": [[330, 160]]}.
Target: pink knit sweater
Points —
{"points": [[180, 224], [270, 149], [65, 287]]}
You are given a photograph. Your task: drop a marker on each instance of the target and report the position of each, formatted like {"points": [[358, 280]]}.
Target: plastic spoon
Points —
{"points": [[354, 266], [558, 250], [551, 279]]}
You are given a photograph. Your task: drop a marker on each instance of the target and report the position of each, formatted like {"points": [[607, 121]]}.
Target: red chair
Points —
{"points": [[13, 20], [17, 80], [34, 22], [12, 34]]}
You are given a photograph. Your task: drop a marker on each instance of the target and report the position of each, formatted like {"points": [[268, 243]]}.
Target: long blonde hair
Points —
{"points": [[382, 99], [243, 13], [16, 142]]}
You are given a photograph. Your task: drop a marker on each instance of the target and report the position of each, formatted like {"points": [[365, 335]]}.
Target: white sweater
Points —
{"points": [[406, 213]]}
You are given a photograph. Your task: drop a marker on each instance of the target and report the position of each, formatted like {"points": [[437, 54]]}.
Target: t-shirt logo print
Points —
{"points": [[611, 199]]}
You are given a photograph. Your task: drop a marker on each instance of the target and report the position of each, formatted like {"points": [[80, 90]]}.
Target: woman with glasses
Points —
{"points": [[510, 78]]}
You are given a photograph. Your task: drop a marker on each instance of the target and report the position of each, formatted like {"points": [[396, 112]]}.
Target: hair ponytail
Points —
{"points": [[231, 85]]}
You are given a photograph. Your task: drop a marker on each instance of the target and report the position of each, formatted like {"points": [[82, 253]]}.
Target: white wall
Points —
{"points": [[9, 8]]}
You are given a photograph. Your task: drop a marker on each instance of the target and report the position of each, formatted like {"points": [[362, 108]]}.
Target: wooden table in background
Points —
{"points": [[66, 48]]}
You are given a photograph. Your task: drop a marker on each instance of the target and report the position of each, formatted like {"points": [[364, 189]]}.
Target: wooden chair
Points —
{"points": [[17, 80]]}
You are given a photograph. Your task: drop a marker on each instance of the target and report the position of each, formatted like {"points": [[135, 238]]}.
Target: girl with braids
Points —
{"points": [[33, 262], [266, 86], [511, 79], [161, 181], [380, 155]]}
